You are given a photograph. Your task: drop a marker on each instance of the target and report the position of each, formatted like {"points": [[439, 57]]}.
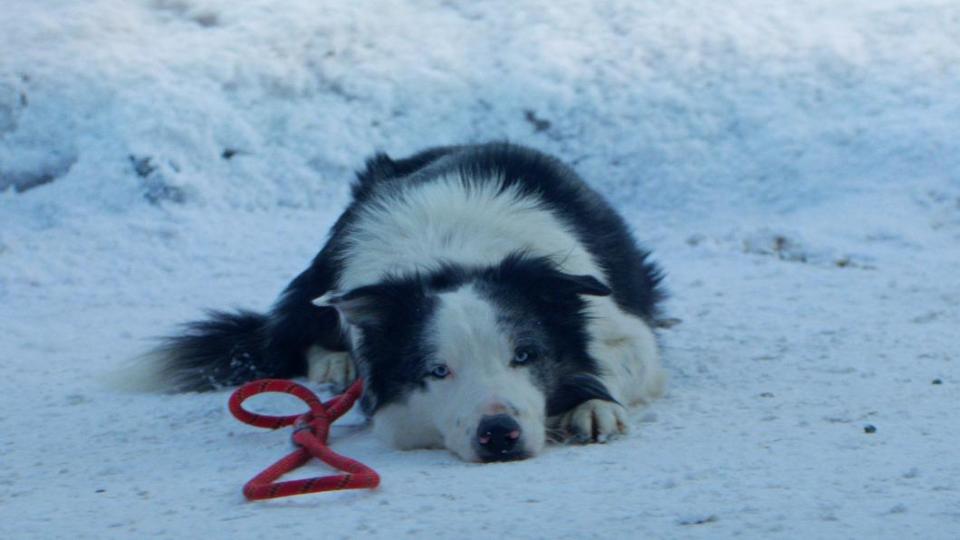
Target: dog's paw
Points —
{"points": [[330, 367], [596, 420]]}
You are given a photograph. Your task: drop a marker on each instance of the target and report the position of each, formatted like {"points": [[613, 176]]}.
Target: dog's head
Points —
{"points": [[473, 360]]}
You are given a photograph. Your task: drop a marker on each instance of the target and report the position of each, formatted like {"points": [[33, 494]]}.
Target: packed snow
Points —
{"points": [[794, 166]]}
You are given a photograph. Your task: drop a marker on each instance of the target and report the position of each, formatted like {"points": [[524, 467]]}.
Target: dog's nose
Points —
{"points": [[497, 438]]}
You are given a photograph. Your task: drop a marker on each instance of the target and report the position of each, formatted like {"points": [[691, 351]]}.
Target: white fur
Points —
{"points": [[595, 420], [627, 352], [144, 373], [442, 221], [333, 367]]}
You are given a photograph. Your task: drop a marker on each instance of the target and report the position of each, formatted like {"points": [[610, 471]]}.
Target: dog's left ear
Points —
{"points": [[363, 306], [542, 277], [585, 284], [557, 288]]}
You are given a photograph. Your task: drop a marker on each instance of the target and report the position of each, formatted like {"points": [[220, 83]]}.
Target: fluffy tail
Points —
{"points": [[227, 349]]}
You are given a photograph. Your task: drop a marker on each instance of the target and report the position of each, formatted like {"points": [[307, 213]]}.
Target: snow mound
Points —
{"points": [[260, 104]]}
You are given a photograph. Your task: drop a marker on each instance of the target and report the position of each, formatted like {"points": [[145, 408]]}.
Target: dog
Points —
{"points": [[488, 297]]}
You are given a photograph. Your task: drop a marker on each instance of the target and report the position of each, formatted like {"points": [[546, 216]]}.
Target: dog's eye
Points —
{"points": [[524, 355], [440, 371]]}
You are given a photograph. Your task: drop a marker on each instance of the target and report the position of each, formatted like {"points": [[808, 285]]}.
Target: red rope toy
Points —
{"points": [[310, 433]]}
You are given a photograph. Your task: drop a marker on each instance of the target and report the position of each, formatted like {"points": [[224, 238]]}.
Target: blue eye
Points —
{"points": [[523, 355], [440, 371]]}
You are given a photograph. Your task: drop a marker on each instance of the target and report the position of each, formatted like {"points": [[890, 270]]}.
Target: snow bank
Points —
{"points": [[260, 103]]}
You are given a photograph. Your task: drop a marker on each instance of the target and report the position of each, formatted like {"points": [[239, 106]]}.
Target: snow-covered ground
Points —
{"points": [[794, 165]]}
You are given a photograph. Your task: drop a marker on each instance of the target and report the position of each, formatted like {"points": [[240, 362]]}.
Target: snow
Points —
{"points": [[794, 166]]}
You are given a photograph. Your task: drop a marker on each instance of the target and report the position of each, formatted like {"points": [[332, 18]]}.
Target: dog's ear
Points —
{"points": [[363, 306], [542, 276], [553, 287], [585, 284], [560, 289]]}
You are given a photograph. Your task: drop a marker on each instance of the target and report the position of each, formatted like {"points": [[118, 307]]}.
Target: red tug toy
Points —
{"points": [[310, 433]]}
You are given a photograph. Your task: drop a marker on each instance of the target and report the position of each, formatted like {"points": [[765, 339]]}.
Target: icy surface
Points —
{"points": [[795, 166]]}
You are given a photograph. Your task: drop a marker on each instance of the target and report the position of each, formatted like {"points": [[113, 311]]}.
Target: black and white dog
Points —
{"points": [[488, 297]]}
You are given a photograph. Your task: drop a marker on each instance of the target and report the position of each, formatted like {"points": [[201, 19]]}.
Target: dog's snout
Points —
{"points": [[498, 437]]}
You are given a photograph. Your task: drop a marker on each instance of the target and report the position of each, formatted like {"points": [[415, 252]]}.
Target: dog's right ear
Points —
{"points": [[363, 306]]}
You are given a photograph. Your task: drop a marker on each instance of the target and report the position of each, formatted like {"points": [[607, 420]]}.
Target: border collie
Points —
{"points": [[488, 297]]}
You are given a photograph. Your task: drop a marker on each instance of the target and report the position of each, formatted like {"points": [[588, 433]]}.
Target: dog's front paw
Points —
{"points": [[596, 420], [331, 367]]}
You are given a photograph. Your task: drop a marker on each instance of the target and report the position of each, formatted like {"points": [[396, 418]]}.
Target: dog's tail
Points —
{"points": [[226, 349], [232, 348]]}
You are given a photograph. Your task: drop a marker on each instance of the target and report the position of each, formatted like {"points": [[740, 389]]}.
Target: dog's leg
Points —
{"points": [[629, 372], [627, 354], [331, 367], [629, 367]]}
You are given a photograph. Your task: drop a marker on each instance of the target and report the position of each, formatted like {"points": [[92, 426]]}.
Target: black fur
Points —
{"points": [[231, 349], [223, 350]]}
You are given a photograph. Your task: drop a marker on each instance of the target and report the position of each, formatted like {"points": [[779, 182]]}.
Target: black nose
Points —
{"points": [[497, 438]]}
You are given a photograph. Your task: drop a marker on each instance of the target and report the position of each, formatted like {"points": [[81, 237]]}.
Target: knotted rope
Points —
{"points": [[310, 433]]}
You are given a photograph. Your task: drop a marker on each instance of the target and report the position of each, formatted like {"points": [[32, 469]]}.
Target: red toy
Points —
{"points": [[310, 433]]}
